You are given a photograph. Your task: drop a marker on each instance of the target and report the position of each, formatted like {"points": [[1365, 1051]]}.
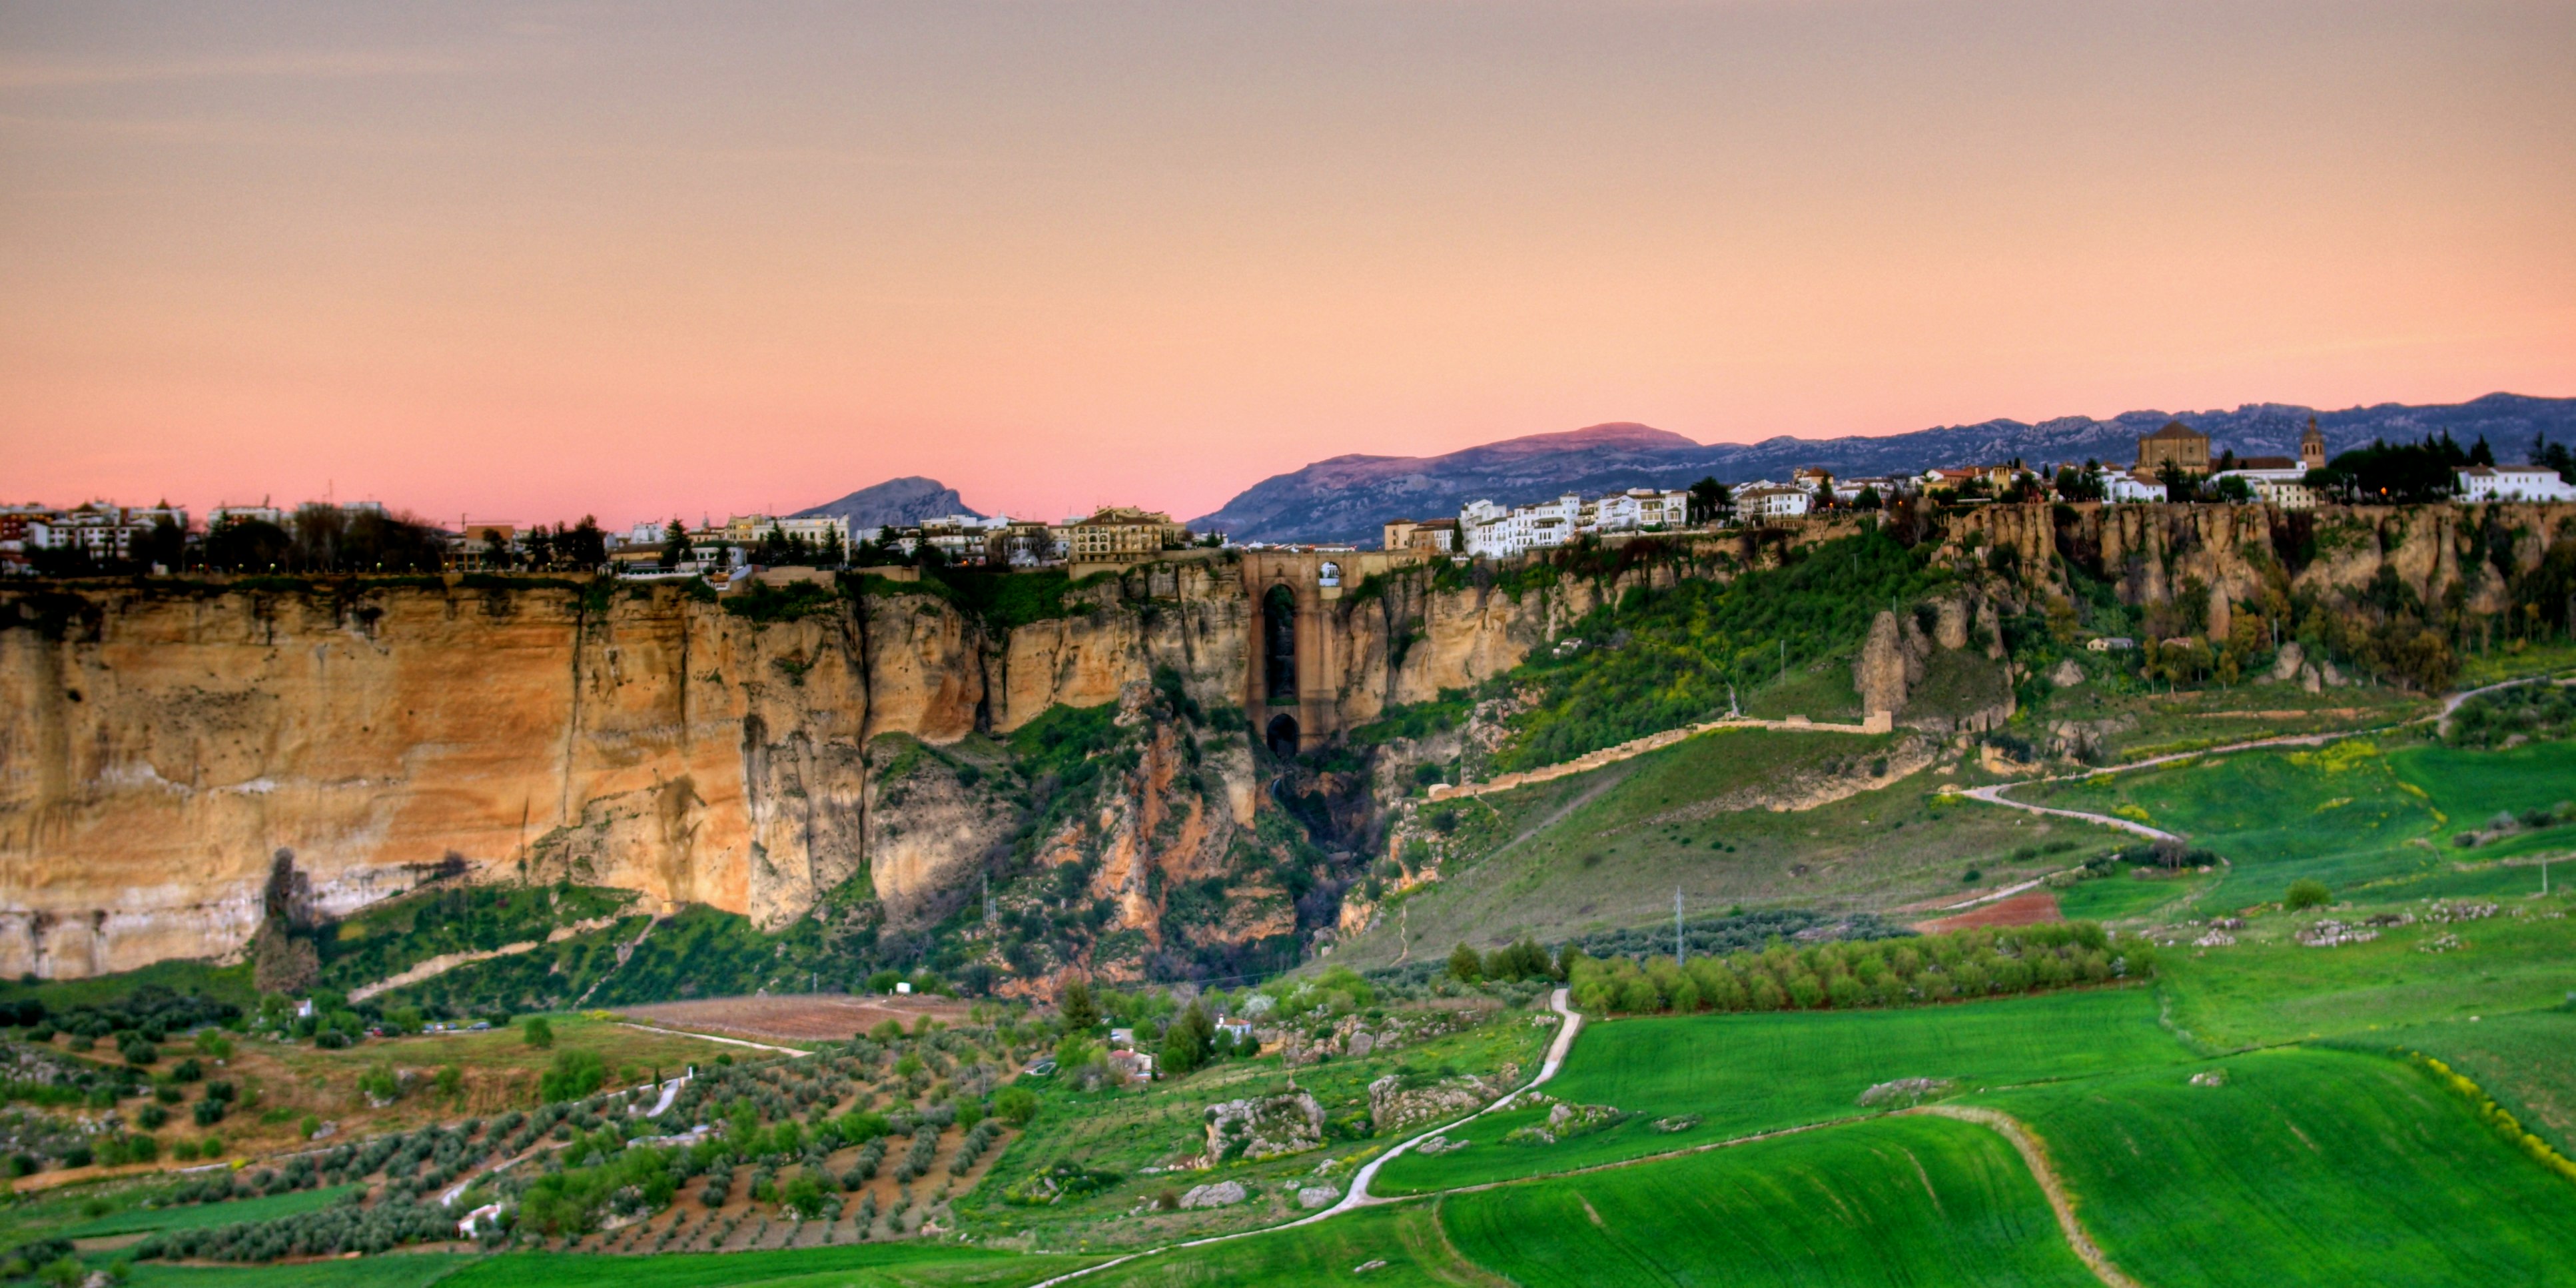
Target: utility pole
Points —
{"points": [[1677, 916]]}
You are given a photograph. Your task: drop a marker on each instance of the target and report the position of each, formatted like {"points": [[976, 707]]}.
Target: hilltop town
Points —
{"points": [[2173, 465]]}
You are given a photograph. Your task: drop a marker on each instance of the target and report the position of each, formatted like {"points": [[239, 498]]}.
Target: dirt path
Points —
{"points": [[445, 962], [2035, 1157], [710, 1037]]}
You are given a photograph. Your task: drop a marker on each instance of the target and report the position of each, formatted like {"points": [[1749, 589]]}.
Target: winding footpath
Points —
{"points": [[1357, 1197], [1993, 793]]}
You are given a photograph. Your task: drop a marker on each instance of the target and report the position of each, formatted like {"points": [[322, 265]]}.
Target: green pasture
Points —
{"points": [[2307, 1167], [2526, 1060], [1756, 1072], [1408, 1239], [884, 1265], [2125, 898], [856, 1265], [2267, 989], [191, 1216], [397, 1270], [1915, 1201], [2363, 817]]}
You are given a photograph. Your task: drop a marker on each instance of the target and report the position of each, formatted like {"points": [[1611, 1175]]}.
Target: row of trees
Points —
{"points": [[1852, 974]]}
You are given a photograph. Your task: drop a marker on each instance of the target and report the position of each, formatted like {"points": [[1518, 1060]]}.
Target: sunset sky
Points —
{"points": [[530, 261]]}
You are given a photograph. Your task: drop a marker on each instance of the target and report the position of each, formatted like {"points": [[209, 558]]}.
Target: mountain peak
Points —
{"points": [[895, 502]]}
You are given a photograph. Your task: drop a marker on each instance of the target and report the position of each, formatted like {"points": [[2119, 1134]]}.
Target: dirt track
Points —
{"points": [[2035, 1157], [2019, 910], [811, 1017]]}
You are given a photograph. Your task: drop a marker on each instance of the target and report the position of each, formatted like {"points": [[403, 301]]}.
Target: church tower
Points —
{"points": [[2312, 447]]}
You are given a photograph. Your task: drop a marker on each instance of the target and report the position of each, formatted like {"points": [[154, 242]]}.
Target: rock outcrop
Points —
{"points": [[1264, 1127]]}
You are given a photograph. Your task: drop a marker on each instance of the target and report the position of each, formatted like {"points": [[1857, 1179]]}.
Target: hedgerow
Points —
{"points": [[1850, 974]]}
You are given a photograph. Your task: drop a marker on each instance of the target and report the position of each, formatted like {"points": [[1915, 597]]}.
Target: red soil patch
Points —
{"points": [[2019, 910], [810, 1017]]}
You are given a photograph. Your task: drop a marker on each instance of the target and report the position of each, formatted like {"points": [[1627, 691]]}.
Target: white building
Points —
{"points": [[2512, 483], [224, 516], [1494, 531], [2283, 486], [104, 530], [2119, 485], [1772, 501]]}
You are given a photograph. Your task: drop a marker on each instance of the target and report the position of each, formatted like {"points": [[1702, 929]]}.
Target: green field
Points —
{"points": [[2277, 991], [2365, 818], [1410, 1241], [860, 1266], [1742, 1074], [1913, 1201], [2526, 1060], [192, 1216], [2306, 1167]]}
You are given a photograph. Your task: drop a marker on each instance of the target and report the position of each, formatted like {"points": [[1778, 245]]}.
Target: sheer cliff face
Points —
{"points": [[157, 748]]}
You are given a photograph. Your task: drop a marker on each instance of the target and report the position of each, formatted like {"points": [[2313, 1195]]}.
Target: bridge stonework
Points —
{"points": [[1296, 679]]}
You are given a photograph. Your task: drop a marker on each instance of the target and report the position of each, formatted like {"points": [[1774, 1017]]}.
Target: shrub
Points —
{"points": [[536, 1032], [2307, 892]]}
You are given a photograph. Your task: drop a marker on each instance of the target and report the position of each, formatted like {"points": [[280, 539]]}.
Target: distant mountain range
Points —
{"points": [[1346, 498], [894, 502]]}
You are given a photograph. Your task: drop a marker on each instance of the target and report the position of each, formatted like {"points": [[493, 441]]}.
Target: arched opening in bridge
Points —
{"points": [[1279, 645], [1283, 737]]}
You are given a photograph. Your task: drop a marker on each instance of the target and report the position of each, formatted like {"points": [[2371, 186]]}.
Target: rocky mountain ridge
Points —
{"points": [[1346, 498]]}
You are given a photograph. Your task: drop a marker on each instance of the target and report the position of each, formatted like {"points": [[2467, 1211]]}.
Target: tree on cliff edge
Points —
{"points": [[283, 959]]}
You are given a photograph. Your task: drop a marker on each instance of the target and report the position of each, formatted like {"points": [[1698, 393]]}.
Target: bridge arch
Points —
{"points": [[1282, 736], [1279, 645]]}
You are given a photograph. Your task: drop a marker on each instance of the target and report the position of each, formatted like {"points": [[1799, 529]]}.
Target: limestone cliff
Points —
{"points": [[161, 743]]}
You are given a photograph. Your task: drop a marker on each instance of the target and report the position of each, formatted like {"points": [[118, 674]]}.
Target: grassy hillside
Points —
{"points": [[1741, 1074], [1911, 1201], [1606, 849], [2266, 989], [2306, 1167], [1403, 1247], [1915, 1201], [2353, 814], [2526, 1060]]}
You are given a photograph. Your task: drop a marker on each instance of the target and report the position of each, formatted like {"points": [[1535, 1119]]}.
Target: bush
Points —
{"points": [[2307, 892], [1017, 1104], [537, 1033], [575, 1074]]}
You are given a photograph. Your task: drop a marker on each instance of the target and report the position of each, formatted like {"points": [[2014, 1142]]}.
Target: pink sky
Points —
{"points": [[533, 261]]}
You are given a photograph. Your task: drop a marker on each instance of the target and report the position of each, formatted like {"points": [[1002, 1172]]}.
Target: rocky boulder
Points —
{"points": [[1264, 1127], [1221, 1194], [1393, 1105]]}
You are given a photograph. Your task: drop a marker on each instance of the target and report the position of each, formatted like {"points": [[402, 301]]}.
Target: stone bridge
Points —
{"points": [[1289, 689]]}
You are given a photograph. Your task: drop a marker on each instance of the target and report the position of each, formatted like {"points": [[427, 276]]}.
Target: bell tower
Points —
{"points": [[2312, 447]]}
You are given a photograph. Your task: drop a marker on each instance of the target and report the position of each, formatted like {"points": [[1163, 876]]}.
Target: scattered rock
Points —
{"points": [[1679, 1122], [2209, 1078], [1437, 1145], [1909, 1091], [1267, 1127], [2441, 943], [1316, 1196], [2067, 674], [1392, 1105], [1367, 1266], [2286, 664], [1220, 1194], [2335, 934], [2215, 939]]}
